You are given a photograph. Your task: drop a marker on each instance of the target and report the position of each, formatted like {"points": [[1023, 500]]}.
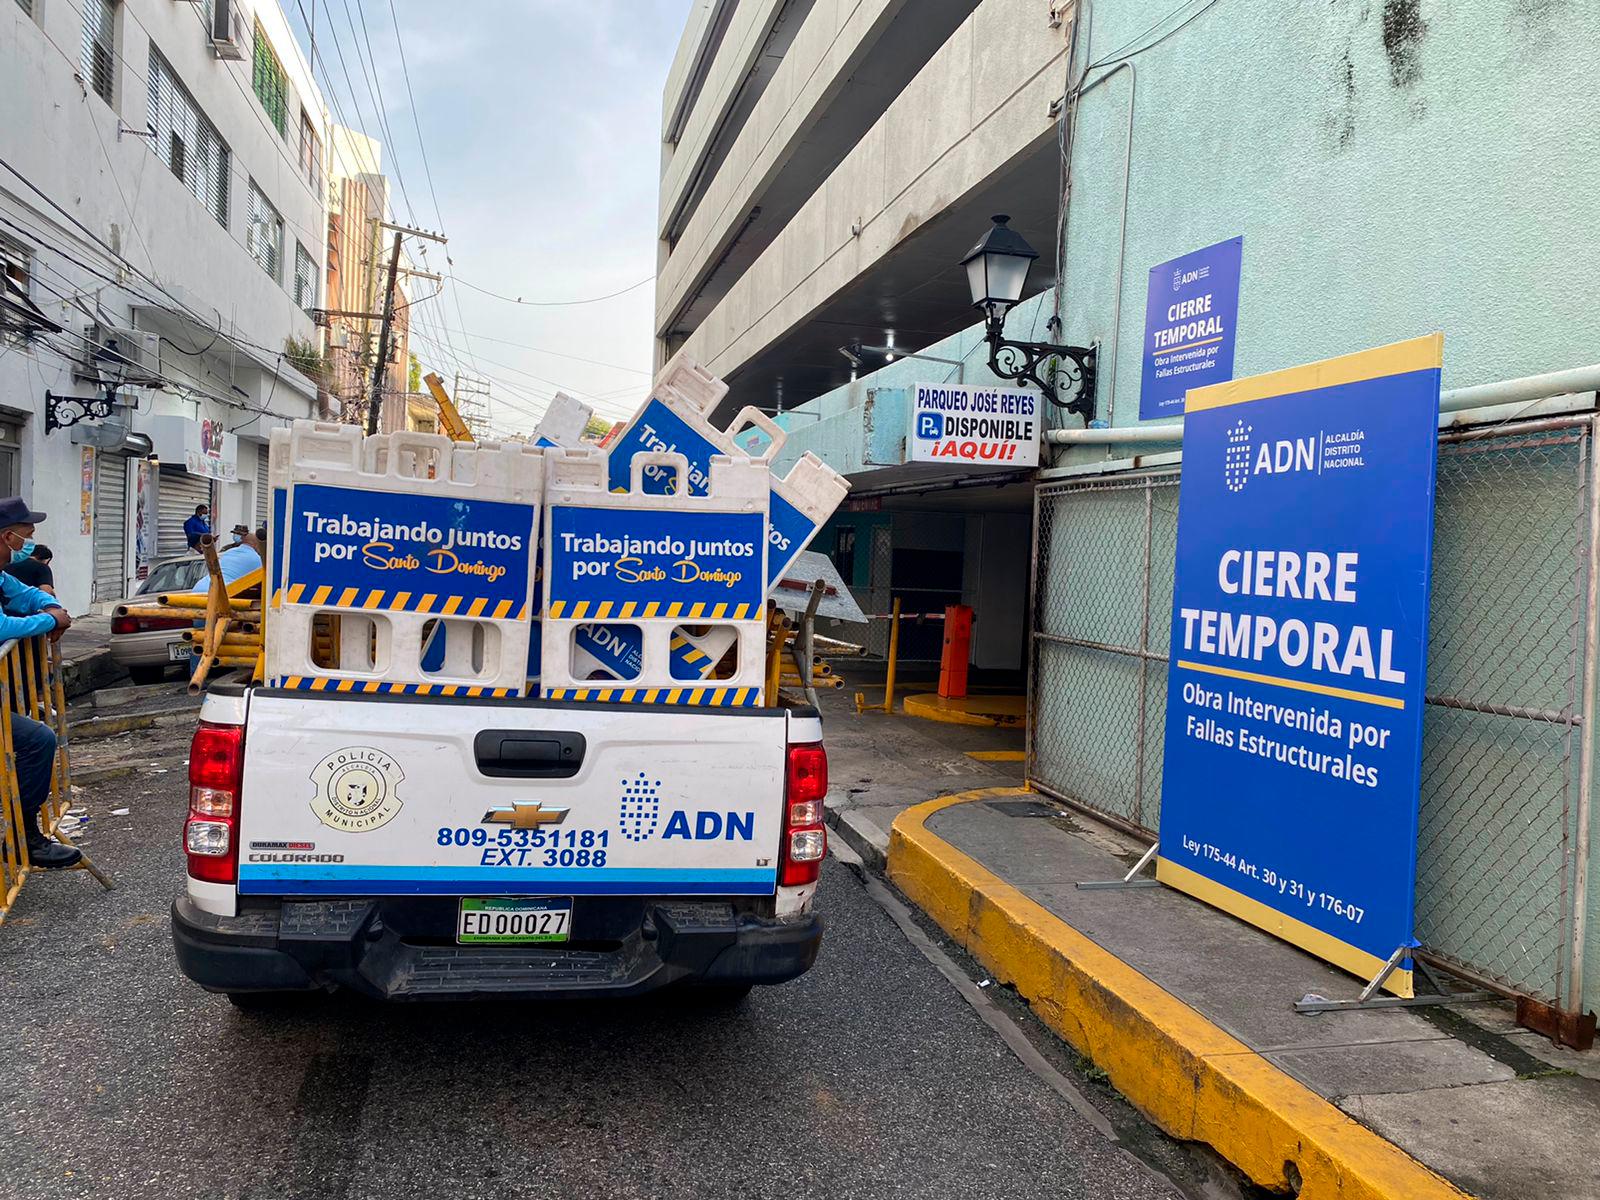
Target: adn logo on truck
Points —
{"points": [[710, 826], [639, 812]]}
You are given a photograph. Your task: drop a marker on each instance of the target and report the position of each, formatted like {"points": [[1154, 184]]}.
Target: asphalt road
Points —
{"points": [[868, 1077]]}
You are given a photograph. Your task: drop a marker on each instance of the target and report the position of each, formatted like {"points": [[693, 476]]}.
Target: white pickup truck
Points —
{"points": [[423, 847]]}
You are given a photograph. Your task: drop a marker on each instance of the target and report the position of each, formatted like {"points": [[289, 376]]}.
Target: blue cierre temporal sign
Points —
{"points": [[621, 563], [353, 548], [1190, 311], [1299, 651]]}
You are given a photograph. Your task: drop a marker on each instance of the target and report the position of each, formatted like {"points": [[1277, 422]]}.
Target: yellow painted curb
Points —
{"points": [[1192, 1078], [987, 711]]}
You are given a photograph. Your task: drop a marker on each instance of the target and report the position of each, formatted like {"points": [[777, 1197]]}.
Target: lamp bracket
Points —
{"points": [[1069, 386], [63, 412]]}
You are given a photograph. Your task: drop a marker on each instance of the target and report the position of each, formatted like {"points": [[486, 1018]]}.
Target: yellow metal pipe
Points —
{"points": [[894, 655]]}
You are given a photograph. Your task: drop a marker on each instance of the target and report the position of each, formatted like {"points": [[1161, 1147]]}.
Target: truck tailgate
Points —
{"points": [[428, 796]]}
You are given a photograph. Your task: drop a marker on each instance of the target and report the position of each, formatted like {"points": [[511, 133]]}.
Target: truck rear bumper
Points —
{"points": [[395, 950]]}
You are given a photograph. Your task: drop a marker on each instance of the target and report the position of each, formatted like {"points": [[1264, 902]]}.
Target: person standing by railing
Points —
{"points": [[28, 613]]}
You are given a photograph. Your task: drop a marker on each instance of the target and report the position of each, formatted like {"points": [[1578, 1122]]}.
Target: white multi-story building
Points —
{"points": [[825, 167], [163, 233]]}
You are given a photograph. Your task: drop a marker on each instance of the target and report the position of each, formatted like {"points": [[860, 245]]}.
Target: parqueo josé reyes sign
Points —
{"points": [[978, 426], [1299, 651]]}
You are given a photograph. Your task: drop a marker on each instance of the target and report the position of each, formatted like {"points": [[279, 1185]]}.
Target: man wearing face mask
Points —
{"points": [[30, 611]]}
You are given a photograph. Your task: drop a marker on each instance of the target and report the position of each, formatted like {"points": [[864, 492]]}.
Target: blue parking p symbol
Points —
{"points": [[930, 424]]}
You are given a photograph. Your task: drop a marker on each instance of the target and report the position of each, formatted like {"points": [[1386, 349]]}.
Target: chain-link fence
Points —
{"points": [[1503, 779]]}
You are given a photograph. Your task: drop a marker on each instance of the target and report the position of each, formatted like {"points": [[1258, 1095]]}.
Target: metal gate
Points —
{"points": [[176, 496], [263, 491], [1506, 756], [110, 525]]}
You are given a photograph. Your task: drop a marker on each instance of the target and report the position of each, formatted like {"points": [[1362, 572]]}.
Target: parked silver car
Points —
{"points": [[147, 646]]}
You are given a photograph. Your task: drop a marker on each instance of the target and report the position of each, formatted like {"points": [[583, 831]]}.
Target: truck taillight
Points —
{"points": [[149, 624], [210, 835], [805, 839]]}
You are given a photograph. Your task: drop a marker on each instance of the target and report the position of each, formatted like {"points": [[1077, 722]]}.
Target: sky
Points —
{"points": [[540, 125]]}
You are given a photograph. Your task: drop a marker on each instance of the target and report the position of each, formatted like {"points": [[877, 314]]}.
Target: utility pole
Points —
{"points": [[383, 340], [376, 401]]}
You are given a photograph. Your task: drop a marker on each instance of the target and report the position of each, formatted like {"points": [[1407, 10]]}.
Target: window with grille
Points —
{"points": [[305, 278], [310, 154], [27, 6], [264, 235], [98, 59], [16, 282], [270, 82], [182, 138]]}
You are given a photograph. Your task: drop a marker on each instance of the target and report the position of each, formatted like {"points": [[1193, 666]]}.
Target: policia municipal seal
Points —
{"points": [[356, 789]]}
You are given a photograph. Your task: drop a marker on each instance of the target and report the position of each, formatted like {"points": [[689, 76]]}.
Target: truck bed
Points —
{"points": [[427, 847], [409, 795]]}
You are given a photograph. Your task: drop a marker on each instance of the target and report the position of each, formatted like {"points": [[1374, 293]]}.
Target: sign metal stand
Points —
{"points": [[1311, 1003], [1129, 880]]}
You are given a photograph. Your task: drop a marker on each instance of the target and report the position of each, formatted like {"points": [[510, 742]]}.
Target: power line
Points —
{"points": [[375, 86], [632, 287], [1117, 55], [580, 393], [236, 170], [375, 94], [377, 104], [143, 78], [427, 169], [337, 155], [176, 306], [167, 382], [595, 402], [483, 337]]}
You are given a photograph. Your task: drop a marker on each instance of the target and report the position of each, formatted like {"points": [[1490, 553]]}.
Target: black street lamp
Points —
{"points": [[997, 270]]}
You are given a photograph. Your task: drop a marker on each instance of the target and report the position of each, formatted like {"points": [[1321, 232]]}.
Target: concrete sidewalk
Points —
{"points": [[1190, 1011], [86, 661], [880, 765]]}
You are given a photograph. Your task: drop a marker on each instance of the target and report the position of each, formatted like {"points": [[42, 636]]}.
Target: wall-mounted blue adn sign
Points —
{"points": [[1299, 651], [1190, 312], [355, 548], [622, 562]]}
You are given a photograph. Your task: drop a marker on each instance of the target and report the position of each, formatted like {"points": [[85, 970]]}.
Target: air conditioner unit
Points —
{"points": [[229, 36], [125, 356]]}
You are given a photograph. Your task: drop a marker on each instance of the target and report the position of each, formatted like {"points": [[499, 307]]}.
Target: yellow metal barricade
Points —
{"points": [[228, 620], [31, 684]]}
